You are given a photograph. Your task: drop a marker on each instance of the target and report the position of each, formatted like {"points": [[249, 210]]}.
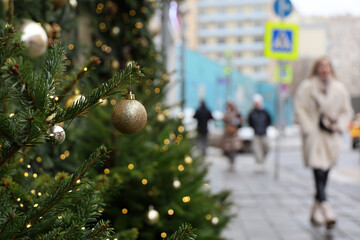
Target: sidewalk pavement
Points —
{"points": [[269, 209]]}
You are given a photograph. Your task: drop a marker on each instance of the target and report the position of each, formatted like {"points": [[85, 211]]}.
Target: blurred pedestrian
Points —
{"points": [[259, 120], [202, 115], [323, 111], [231, 142]]}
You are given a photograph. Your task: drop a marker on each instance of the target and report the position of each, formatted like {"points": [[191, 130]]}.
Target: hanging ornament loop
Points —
{"points": [[131, 96]]}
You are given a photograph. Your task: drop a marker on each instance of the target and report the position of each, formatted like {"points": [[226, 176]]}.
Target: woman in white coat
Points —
{"points": [[323, 110]]}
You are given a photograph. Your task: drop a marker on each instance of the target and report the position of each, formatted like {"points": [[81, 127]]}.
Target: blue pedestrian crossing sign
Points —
{"points": [[281, 41]]}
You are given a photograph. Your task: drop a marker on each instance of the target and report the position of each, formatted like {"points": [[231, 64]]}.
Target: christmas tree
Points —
{"points": [[150, 180]]}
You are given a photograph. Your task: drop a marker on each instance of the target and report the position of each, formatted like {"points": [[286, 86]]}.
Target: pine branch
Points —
{"points": [[92, 62], [64, 189], [53, 68], [99, 228], [104, 90], [185, 232], [15, 71], [11, 52]]}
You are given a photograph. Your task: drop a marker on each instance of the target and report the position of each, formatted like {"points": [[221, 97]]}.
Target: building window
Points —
{"points": [[240, 39], [258, 23], [202, 26], [258, 8], [221, 40], [221, 10], [258, 39], [203, 41], [221, 25], [238, 55]]}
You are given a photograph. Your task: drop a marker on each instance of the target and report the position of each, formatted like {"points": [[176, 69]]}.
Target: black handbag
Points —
{"points": [[325, 124]]}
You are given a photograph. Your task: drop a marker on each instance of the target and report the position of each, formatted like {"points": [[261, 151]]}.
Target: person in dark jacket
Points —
{"points": [[202, 115], [259, 120]]}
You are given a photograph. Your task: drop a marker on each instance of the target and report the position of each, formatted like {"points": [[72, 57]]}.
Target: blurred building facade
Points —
{"points": [[336, 37], [234, 27]]}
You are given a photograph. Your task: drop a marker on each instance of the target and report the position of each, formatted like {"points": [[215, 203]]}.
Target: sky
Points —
{"points": [[327, 7]]}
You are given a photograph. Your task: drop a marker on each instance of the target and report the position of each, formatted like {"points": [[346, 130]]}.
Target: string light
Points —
{"points": [[28, 166], [100, 211], [34, 175], [106, 171], [144, 181], [98, 43], [163, 235], [176, 183], [26, 174], [166, 141], [62, 156], [78, 181], [85, 69], [113, 102], [131, 166], [139, 25], [186, 199], [188, 160], [18, 199], [71, 46], [208, 217], [38, 159], [115, 30], [32, 191], [171, 212], [172, 136], [124, 211], [39, 194], [181, 168], [36, 205], [100, 6], [11, 115], [21, 160], [67, 153], [28, 226], [83, 228], [215, 220], [157, 90], [181, 128], [132, 12]]}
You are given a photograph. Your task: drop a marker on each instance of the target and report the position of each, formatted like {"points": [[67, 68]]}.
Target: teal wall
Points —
{"points": [[205, 79]]}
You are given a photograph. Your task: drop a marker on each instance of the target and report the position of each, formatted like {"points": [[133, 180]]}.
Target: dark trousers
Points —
{"points": [[320, 177]]}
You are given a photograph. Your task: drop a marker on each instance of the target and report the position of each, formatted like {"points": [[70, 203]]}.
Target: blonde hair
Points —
{"points": [[316, 66]]}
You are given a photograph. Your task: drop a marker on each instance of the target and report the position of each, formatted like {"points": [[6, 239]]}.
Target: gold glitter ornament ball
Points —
{"points": [[129, 116]]}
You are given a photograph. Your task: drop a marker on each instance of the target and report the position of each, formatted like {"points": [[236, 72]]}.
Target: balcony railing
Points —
{"points": [[251, 31], [223, 17], [222, 47]]}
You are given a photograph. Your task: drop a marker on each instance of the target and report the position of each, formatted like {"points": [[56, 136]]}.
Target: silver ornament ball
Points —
{"points": [[152, 215], [34, 38], [56, 134]]}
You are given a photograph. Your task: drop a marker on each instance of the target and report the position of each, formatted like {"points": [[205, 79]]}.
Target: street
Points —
{"points": [[269, 209]]}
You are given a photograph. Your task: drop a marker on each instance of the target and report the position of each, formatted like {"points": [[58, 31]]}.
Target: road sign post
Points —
{"points": [[281, 43]]}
